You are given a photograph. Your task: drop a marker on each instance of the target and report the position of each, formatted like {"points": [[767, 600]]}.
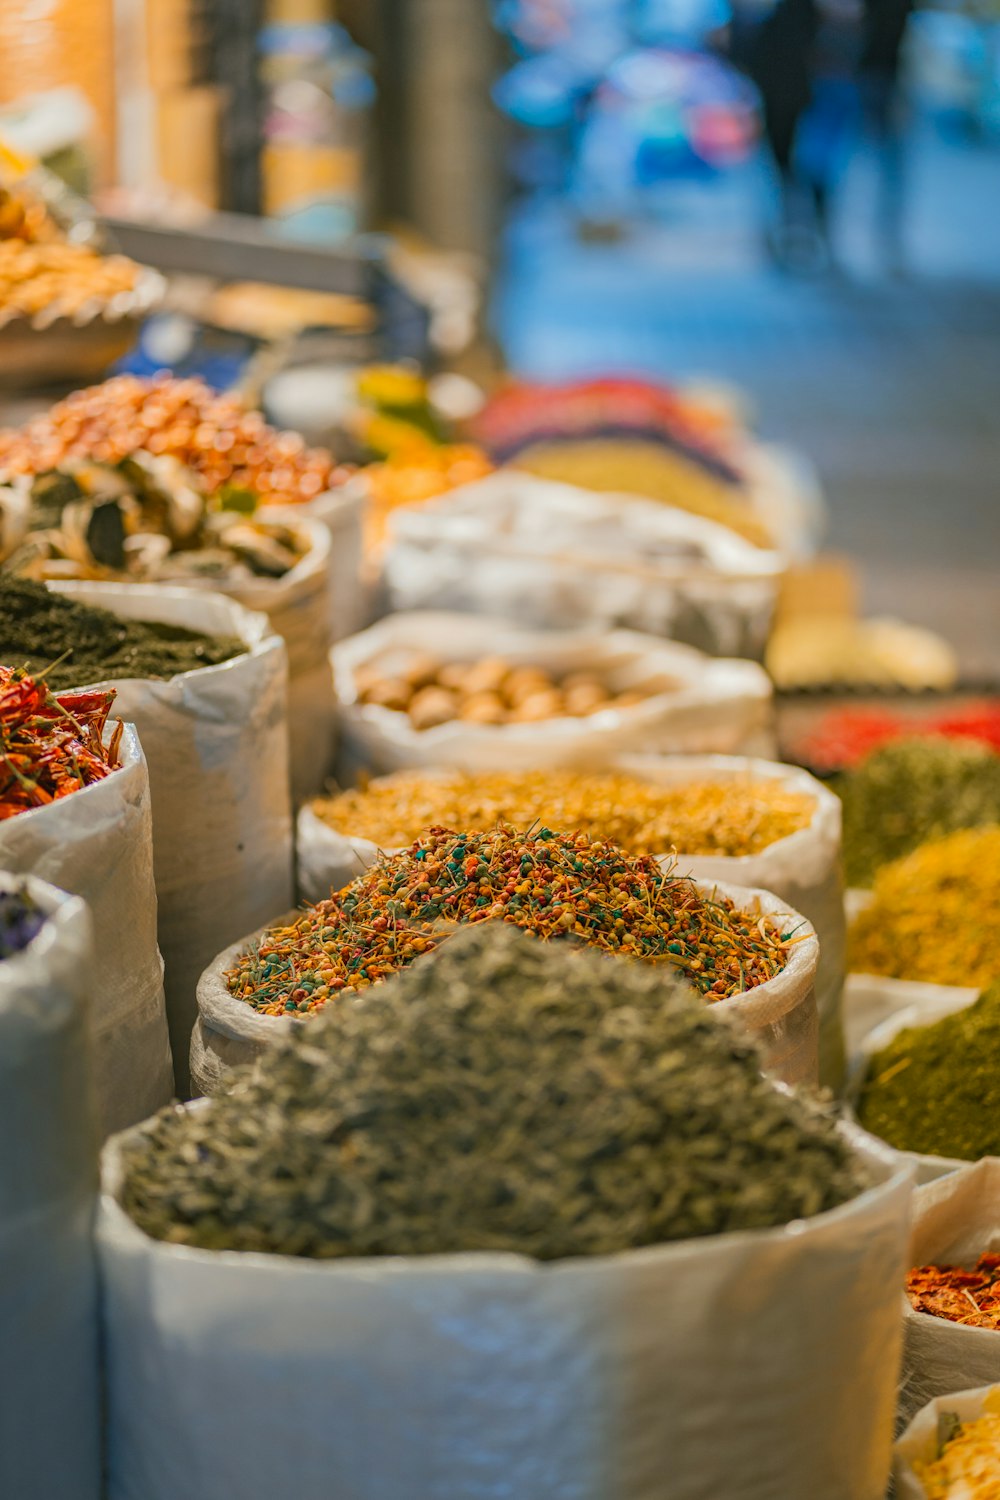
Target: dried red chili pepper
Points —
{"points": [[51, 744], [971, 1297]]}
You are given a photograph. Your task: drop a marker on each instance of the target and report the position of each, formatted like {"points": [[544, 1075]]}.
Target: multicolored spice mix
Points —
{"points": [[499, 1095], [911, 791], [230, 448], [935, 915], [20, 920], [698, 818], [970, 1297], [69, 642], [935, 1089], [967, 1466], [554, 885], [50, 746]]}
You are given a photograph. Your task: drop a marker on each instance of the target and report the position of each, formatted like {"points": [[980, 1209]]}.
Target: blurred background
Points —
{"points": [[791, 208]]}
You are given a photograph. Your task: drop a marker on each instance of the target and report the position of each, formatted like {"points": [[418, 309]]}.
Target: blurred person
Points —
{"points": [[884, 104]]}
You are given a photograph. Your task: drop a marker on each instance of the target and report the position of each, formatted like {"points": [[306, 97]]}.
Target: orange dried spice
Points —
{"points": [[960, 1296]]}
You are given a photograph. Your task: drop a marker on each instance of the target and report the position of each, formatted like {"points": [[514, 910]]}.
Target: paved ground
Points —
{"points": [[892, 386]]}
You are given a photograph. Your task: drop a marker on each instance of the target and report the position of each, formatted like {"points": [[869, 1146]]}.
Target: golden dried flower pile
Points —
{"points": [[557, 886], [935, 915], [698, 818]]}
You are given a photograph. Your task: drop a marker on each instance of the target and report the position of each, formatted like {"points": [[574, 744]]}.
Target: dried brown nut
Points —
{"points": [[485, 676], [483, 708], [389, 692], [452, 675], [582, 679], [420, 669], [585, 698], [542, 705], [432, 705], [523, 682], [629, 698]]}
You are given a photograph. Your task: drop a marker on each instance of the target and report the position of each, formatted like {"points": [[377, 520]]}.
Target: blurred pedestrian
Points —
{"points": [[884, 103]]}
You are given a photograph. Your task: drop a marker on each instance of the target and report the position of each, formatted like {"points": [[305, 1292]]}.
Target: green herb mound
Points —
{"points": [[38, 627], [936, 1089], [500, 1094], [911, 791]]}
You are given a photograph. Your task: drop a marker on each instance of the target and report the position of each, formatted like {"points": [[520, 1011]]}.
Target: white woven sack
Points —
{"points": [[756, 1366], [554, 556], [49, 1376], [723, 706], [933, 1003], [780, 1014], [785, 492], [216, 743], [802, 869], [920, 1443], [956, 1219], [341, 511], [98, 844]]}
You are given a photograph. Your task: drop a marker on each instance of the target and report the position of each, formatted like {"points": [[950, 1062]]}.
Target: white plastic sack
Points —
{"points": [[919, 1443], [955, 1220], [780, 1014], [752, 1366], [553, 556], [341, 511], [717, 706], [802, 869], [216, 743], [932, 1003], [49, 1380], [98, 844]]}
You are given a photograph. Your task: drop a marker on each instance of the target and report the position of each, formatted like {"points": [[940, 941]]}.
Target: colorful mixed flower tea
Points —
{"points": [[935, 1089], [69, 642], [935, 915], [960, 1296], [21, 921], [500, 1095], [555, 885], [698, 817], [50, 746], [911, 791]]}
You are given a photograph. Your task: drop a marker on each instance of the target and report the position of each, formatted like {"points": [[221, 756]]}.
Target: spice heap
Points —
{"points": [[936, 1089], [59, 280], [20, 920], [411, 476], [72, 643], [844, 736], [555, 885], [911, 791], [230, 448], [142, 519], [935, 915], [488, 691], [698, 818], [967, 1466], [971, 1297], [497, 1096], [50, 746]]}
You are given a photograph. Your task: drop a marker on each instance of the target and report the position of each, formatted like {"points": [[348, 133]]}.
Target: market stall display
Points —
{"points": [[75, 811], [837, 652], [49, 1371], [451, 1241], [663, 696], [743, 950], [555, 556], [841, 737], [951, 1449]]}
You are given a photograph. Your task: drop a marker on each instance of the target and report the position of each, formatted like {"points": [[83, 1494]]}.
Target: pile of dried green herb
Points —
{"points": [[913, 790], [39, 628], [936, 1089], [500, 1094]]}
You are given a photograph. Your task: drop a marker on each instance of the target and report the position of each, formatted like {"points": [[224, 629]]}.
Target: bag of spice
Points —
{"points": [[523, 1221], [951, 1449], [216, 743], [752, 958], [555, 557], [97, 843], [529, 700], [956, 1221], [49, 1376]]}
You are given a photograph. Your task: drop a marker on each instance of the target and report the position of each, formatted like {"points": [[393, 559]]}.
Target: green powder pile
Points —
{"points": [[500, 1094], [37, 628], [936, 1089], [911, 791]]}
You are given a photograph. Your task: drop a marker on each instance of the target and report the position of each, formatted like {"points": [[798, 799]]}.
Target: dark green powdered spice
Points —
{"points": [[936, 1089], [911, 791], [500, 1094], [37, 628]]}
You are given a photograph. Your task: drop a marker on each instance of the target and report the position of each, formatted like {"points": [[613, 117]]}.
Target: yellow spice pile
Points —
{"points": [[935, 915], [969, 1465], [703, 817]]}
